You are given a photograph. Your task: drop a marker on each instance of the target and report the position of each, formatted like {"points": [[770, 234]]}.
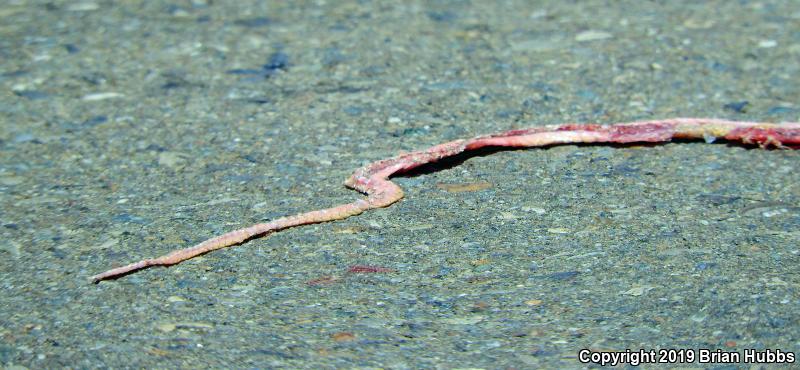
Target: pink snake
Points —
{"points": [[373, 179]]}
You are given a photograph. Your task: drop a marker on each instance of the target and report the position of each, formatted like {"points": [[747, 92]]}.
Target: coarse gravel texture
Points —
{"points": [[129, 129]]}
